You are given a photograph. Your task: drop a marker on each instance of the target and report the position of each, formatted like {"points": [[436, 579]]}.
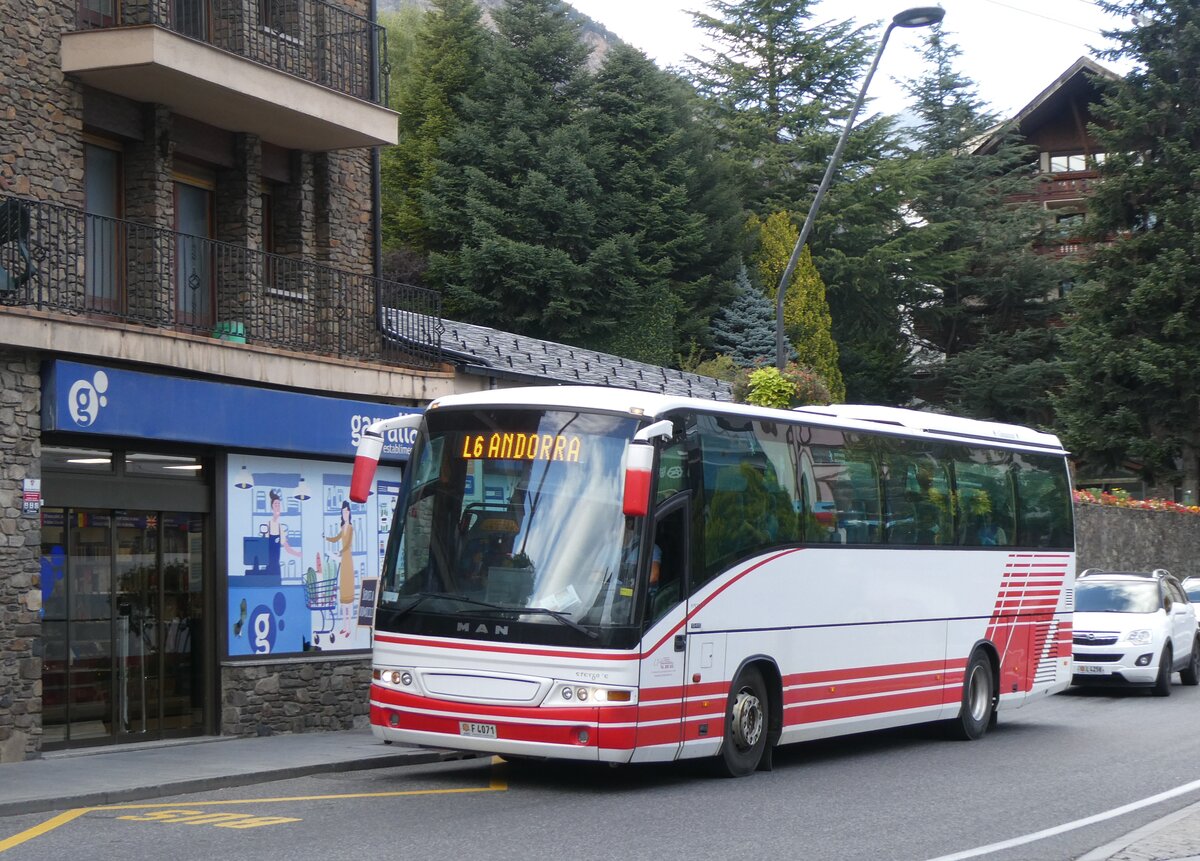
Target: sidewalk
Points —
{"points": [[90, 777], [1175, 837]]}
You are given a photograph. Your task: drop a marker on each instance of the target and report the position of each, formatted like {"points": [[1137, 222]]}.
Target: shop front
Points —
{"points": [[191, 531]]}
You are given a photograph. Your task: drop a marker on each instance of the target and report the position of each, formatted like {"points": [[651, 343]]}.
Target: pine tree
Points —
{"points": [[651, 226], [981, 296], [744, 329], [510, 210], [429, 78], [774, 84], [1134, 347], [806, 318]]}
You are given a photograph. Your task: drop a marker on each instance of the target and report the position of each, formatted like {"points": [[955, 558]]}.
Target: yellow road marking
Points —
{"points": [[497, 783], [39, 830]]}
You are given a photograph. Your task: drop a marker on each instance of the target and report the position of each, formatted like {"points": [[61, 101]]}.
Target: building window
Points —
{"points": [[104, 249], [1074, 162], [194, 253]]}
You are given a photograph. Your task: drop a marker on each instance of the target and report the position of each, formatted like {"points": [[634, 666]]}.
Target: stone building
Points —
{"points": [[191, 337]]}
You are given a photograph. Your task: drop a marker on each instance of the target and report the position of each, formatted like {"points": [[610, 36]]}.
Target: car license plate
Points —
{"points": [[479, 730], [1088, 669]]}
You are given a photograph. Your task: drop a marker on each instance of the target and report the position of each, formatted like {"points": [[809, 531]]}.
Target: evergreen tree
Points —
{"points": [[510, 213], [744, 329], [650, 230], [775, 81], [806, 318], [429, 77], [1134, 347], [982, 296]]}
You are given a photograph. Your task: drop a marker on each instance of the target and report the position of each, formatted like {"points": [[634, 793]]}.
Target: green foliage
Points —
{"points": [[806, 317], [765, 386], [1133, 352], [982, 299], [744, 330], [434, 65], [720, 367]]}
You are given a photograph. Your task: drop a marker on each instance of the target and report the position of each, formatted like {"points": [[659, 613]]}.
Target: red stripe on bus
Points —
{"points": [[852, 674], [877, 686], [860, 708], [586, 714]]}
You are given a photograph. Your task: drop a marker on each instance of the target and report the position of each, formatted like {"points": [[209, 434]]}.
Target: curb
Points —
{"points": [[207, 784], [1108, 850]]}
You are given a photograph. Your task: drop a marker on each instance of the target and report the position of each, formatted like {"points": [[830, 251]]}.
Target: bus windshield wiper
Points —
{"points": [[421, 597], [562, 617]]}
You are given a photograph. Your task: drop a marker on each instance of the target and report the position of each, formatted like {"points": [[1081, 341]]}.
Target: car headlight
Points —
{"points": [[1140, 637]]}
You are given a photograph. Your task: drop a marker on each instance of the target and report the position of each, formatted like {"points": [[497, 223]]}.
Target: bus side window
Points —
{"points": [[667, 580]]}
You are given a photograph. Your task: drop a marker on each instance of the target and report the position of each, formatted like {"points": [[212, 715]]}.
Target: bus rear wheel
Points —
{"points": [[745, 725], [978, 701]]}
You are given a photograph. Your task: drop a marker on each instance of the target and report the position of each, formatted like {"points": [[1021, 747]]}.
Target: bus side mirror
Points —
{"points": [[639, 463], [369, 450]]}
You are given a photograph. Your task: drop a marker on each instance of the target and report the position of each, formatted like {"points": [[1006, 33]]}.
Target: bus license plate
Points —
{"points": [[1088, 669], [479, 730]]}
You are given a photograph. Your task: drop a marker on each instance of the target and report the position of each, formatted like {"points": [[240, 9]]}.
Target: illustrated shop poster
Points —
{"points": [[299, 551]]}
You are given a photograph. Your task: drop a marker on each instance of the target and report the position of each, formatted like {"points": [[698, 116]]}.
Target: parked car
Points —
{"points": [[1133, 628], [1191, 585]]}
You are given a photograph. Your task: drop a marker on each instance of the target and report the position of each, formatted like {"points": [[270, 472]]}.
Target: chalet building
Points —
{"points": [[1056, 125]]}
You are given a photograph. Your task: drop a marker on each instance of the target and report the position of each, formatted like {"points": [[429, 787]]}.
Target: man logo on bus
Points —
{"points": [[86, 398], [465, 627]]}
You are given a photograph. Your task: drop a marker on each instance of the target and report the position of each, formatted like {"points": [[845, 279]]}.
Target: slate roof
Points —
{"points": [[534, 361]]}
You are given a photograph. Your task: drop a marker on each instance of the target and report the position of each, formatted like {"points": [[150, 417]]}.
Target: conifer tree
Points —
{"points": [[806, 318], [429, 78], [510, 212], [744, 329], [981, 296], [1134, 346]]}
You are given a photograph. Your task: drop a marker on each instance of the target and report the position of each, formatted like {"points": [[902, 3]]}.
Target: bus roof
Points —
{"points": [[903, 422]]}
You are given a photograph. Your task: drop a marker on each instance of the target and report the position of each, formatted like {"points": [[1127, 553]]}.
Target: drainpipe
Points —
{"points": [[376, 182]]}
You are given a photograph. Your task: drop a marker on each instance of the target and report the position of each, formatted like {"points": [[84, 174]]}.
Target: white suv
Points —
{"points": [[1133, 628]]}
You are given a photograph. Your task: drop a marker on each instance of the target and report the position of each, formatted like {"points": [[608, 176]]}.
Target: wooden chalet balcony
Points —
{"points": [[301, 74], [58, 259]]}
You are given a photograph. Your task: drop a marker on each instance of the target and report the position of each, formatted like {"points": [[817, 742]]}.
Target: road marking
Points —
{"points": [[217, 820], [1071, 826], [39, 830], [498, 782]]}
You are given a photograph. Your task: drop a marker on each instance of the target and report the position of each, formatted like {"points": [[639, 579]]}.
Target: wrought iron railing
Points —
{"points": [[311, 39], [56, 258]]}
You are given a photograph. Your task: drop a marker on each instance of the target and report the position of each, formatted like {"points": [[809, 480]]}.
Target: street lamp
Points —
{"points": [[921, 16]]}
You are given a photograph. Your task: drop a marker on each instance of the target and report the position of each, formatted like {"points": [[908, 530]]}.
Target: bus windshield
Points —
{"points": [[513, 518]]}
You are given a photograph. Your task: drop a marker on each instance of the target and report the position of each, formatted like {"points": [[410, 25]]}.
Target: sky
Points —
{"points": [[1011, 49]]}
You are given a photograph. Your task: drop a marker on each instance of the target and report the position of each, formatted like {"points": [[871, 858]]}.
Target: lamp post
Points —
{"points": [[921, 16]]}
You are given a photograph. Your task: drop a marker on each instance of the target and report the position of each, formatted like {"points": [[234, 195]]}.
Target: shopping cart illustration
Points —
{"points": [[321, 595]]}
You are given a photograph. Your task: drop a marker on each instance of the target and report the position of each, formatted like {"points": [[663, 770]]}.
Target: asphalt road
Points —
{"points": [[906, 794]]}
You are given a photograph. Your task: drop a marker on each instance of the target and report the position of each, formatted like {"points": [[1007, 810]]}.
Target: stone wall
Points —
{"points": [[294, 696], [1127, 539], [20, 551]]}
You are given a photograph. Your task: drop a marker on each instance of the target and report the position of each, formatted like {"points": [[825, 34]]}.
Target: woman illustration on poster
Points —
{"points": [[276, 534], [346, 572]]}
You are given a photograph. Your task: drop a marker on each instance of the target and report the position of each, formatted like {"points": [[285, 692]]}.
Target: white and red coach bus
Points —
{"points": [[611, 575]]}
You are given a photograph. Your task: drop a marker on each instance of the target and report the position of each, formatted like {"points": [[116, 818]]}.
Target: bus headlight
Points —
{"points": [[586, 695], [393, 678]]}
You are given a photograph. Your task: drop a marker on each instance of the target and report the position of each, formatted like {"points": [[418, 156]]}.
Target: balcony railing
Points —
{"points": [[55, 258], [310, 39]]}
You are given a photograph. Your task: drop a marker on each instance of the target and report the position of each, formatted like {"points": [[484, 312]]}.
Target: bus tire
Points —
{"points": [[1190, 675], [746, 713], [978, 700], [1162, 684]]}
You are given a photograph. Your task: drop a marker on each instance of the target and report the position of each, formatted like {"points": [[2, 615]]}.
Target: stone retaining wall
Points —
{"points": [[295, 696], [1127, 539]]}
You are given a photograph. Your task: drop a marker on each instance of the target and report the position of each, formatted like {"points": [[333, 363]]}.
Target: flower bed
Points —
{"points": [[1122, 499]]}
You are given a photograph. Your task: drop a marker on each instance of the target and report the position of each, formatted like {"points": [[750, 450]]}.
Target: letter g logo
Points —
{"points": [[86, 398]]}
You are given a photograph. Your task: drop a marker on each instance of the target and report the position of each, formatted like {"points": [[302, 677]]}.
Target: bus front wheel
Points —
{"points": [[978, 701], [745, 725]]}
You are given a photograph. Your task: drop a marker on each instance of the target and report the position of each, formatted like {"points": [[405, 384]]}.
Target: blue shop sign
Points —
{"points": [[92, 399]]}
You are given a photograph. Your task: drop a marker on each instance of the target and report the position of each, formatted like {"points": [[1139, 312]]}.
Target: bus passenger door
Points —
{"points": [[661, 709]]}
